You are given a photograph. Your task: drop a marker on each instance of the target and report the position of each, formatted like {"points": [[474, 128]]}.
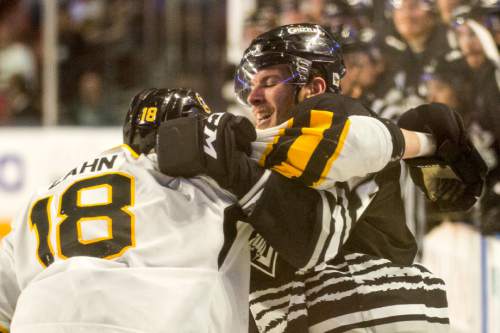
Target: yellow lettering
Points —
{"points": [[144, 112], [151, 114]]}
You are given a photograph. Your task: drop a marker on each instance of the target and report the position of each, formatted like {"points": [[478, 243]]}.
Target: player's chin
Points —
{"points": [[265, 122]]}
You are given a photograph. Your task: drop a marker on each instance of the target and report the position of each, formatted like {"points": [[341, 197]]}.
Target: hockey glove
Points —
{"points": [[218, 147], [226, 147], [453, 178]]}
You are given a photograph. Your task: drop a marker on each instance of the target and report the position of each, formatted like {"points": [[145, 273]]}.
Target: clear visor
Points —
{"points": [[299, 70]]}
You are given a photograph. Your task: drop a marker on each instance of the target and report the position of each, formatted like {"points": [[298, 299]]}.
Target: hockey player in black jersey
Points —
{"points": [[367, 279], [331, 251]]}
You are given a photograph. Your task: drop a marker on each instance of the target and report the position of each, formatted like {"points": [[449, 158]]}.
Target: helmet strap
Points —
{"points": [[297, 90]]}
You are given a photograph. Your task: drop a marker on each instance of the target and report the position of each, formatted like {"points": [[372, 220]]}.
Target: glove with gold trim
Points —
{"points": [[453, 178]]}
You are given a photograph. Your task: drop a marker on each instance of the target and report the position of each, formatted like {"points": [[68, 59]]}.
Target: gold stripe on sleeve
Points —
{"points": [[321, 119], [305, 145], [270, 145], [4, 228], [336, 154]]}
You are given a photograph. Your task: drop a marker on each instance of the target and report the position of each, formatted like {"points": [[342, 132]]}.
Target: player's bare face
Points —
{"points": [[271, 98]]}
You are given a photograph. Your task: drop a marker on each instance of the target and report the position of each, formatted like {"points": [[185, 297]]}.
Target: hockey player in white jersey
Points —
{"points": [[118, 246]]}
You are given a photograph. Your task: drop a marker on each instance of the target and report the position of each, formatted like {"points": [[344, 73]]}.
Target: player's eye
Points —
{"points": [[271, 81]]}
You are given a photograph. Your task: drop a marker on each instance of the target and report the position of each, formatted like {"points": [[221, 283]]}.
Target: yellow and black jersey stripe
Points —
{"points": [[308, 146], [330, 138]]}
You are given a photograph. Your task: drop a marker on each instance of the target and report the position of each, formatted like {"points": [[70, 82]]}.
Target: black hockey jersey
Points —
{"points": [[341, 259]]}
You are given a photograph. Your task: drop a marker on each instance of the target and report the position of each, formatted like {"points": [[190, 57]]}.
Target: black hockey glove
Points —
{"points": [[218, 147], [226, 146], [453, 178]]}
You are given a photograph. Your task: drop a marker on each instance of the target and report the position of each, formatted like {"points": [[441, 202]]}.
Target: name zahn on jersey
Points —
{"points": [[96, 165]]}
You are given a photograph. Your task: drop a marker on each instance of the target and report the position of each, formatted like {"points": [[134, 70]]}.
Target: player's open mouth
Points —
{"points": [[263, 120], [263, 117]]}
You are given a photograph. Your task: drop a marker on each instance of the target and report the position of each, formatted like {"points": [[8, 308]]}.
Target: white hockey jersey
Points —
{"points": [[116, 246]]}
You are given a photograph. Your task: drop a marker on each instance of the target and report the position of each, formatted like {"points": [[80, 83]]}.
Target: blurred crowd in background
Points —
{"points": [[107, 50], [86, 30], [398, 53]]}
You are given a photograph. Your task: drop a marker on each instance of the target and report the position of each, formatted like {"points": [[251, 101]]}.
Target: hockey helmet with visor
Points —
{"points": [[305, 48]]}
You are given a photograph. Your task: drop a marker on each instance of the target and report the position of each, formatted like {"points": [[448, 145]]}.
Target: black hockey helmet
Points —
{"points": [[152, 107], [303, 47]]}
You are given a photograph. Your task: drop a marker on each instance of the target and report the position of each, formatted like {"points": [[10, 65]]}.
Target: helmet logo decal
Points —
{"points": [[255, 49], [336, 79], [148, 115], [202, 103], [298, 30]]}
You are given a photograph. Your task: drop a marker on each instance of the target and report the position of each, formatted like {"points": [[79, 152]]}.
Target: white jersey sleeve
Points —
{"points": [[365, 146], [330, 139], [9, 289]]}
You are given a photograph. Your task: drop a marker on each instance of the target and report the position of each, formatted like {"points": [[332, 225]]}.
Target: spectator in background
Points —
{"points": [[338, 14], [87, 15], [493, 25], [446, 8], [450, 84], [72, 56], [91, 108], [488, 13], [103, 36], [110, 28], [21, 103], [292, 12], [315, 9], [261, 20], [367, 77], [120, 32], [18, 72], [482, 58], [363, 62], [417, 40]]}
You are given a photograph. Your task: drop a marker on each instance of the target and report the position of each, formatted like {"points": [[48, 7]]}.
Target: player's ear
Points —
{"points": [[315, 87]]}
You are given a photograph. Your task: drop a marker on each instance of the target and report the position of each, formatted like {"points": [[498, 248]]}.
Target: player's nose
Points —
{"points": [[256, 96]]}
